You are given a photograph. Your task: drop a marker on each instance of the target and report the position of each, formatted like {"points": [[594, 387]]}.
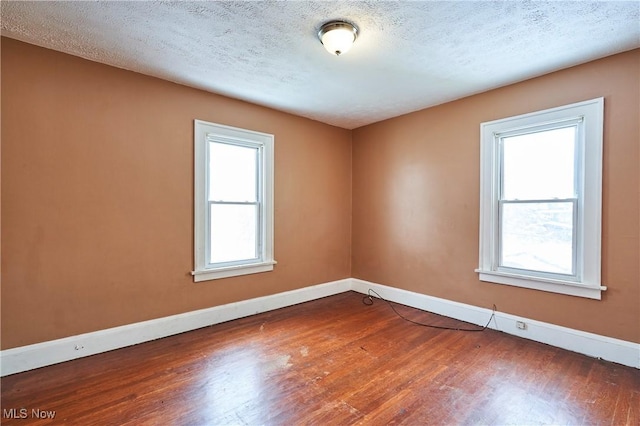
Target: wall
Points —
{"points": [[97, 197], [97, 211], [416, 198]]}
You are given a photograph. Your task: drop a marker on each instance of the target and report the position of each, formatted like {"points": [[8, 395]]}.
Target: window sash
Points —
{"points": [[500, 200], [578, 143], [259, 237], [216, 139], [498, 256]]}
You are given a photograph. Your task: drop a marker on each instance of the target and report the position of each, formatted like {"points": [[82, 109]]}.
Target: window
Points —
{"points": [[540, 200], [233, 201]]}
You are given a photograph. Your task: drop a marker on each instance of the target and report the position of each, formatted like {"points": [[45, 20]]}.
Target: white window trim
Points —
{"points": [[588, 282], [203, 131]]}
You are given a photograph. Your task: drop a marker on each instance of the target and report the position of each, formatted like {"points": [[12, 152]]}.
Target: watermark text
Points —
{"points": [[25, 413]]}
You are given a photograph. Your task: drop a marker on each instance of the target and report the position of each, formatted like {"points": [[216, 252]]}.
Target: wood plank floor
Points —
{"points": [[332, 361]]}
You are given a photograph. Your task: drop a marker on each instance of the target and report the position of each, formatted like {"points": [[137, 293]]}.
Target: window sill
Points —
{"points": [[554, 286], [232, 271]]}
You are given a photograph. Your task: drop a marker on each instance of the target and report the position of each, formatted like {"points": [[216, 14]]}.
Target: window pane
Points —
{"points": [[232, 172], [538, 237], [539, 165], [233, 232]]}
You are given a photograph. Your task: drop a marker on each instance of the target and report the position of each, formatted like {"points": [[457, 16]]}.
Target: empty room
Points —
{"points": [[311, 213]]}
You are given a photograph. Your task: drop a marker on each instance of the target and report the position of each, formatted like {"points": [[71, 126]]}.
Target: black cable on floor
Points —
{"points": [[368, 300]]}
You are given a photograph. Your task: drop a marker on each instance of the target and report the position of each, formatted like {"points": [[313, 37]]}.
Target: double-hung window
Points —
{"points": [[233, 201], [540, 200]]}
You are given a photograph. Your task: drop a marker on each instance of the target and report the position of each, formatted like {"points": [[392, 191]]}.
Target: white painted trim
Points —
{"points": [[589, 116], [555, 286], [204, 133], [595, 345], [38, 355], [232, 271]]}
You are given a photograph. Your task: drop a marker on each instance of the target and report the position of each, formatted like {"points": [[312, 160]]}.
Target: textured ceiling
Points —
{"points": [[408, 56]]}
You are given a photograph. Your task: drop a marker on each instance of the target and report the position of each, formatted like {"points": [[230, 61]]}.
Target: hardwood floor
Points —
{"points": [[331, 361]]}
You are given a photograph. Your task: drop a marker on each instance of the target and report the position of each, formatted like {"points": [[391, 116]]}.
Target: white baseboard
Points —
{"points": [[595, 345], [38, 355]]}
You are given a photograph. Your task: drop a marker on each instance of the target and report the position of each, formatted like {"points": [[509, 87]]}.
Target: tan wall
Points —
{"points": [[416, 198], [97, 197], [97, 204]]}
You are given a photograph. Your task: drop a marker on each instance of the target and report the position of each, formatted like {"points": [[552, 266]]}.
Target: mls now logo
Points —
{"points": [[23, 413]]}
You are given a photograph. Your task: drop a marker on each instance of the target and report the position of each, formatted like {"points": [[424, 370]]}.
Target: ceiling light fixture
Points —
{"points": [[338, 36]]}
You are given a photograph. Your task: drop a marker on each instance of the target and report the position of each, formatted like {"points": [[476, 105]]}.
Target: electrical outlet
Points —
{"points": [[521, 325]]}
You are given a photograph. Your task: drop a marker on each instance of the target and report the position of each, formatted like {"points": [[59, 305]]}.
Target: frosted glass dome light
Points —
{"points": [[337, 36]]}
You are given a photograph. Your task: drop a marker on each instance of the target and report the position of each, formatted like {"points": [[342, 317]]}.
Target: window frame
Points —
{"points": [[588, 116], [204, 133]]}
